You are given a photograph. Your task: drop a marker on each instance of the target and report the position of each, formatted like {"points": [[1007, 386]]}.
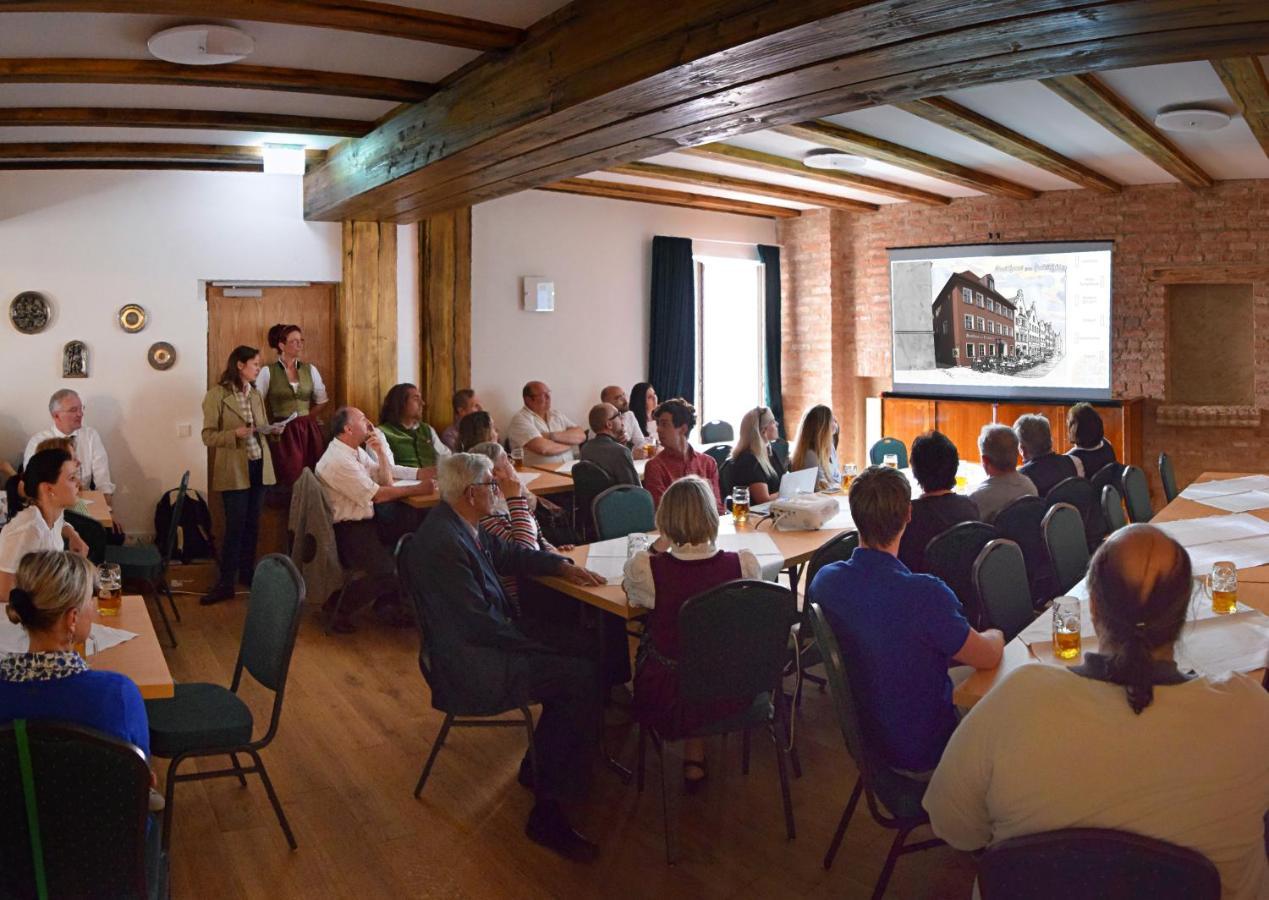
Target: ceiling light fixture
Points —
{"points": [[1191, 119], [825, 158], [283, 159], [201, 45]]}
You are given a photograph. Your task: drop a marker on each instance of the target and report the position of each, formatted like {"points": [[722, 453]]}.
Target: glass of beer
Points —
{"points": [[649, 447], [740, 505], [1222, 584], [849, 471], [1066, 627], [109, 589], [517, 457], [890, 460], [961, 484]]}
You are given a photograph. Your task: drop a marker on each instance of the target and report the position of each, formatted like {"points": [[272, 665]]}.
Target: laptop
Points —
{"points": [[791, 484]]}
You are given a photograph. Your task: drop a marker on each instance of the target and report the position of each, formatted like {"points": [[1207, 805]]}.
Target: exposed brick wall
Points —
{"points": [[1153, 226]]}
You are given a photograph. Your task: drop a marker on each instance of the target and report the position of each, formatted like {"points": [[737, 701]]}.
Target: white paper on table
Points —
{"points": [[1212, 529], [566, 467], [1241, 502], [526, 477], [610, 567], [84, 500], [759, 543], [1224, 486], [1234, 643], [614, 547], [14, 639], [1244, 554]]}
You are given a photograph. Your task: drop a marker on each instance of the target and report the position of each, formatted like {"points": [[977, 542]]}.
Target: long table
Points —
{"points": [[98, 508], [543, 482]]}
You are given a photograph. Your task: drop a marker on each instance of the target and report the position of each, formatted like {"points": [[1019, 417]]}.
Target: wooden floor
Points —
{"points": [[355, 729]]}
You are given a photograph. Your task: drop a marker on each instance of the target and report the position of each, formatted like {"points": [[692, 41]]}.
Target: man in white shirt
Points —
{"points": [[547, 437], [630, 425], [67, 411]]}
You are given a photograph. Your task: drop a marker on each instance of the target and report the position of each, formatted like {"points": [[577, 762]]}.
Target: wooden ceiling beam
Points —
{"points": [[769, 162], [830, 134], [139, 151], [112, 117], [234, 75], [727, 182], [964, 121], [385, 19], [1093, 98], [1244, 80], [614, 190]]}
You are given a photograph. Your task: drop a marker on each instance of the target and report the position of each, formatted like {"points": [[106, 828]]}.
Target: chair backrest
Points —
{"points": [[950, 556], [734, 640], [178, 506], [92, 532], [1095, 862], [718, 453], [1168, 476], [877, 453], [91, 795], [589, 481], [780, 450], [268, 634], [1067, 546], [838, 549], [717, 430], [621, 510], [1136, 494], [1113, 509], [1004, 594], [1080, 493], [415, 596], [1020, 522], [724, 479]]}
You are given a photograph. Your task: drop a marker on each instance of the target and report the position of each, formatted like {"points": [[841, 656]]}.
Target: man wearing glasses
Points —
{"points": [[607, 449], [67, 411]]}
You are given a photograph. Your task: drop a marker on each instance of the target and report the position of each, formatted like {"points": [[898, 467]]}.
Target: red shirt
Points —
{"points": [[668, 466]]}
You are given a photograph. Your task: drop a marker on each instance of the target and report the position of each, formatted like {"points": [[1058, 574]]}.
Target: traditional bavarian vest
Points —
{"points": [[410, 446], [281, 399]]}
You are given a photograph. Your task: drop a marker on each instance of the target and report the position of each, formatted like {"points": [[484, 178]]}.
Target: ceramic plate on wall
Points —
{"points": [[162, 355], [30, 312], [132, 318]]}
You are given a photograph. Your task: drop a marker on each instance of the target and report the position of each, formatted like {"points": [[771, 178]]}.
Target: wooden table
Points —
{"points": [[98, 508], [1253, 590], [546, 482]]}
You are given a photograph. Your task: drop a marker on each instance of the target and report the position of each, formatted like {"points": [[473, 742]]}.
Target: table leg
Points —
{"points": [[611, 761]]}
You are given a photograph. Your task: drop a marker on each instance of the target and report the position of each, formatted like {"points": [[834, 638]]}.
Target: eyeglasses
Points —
{"points": [[616, 415], [492, 485]]}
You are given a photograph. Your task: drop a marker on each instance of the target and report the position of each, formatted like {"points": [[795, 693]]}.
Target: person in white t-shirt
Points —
{"points": [[1125, 740], [51, 478], [547, 437]]}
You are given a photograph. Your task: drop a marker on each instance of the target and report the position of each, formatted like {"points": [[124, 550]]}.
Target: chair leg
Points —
{"points": [[242, 779], [789, 830], [841, 826], [785, 714], [436, 748], [533, 753], [273, 798], [167, 589], [744, 752], [896, 848], [334, 613], [665, 807], [158, 604], [169, 801]]}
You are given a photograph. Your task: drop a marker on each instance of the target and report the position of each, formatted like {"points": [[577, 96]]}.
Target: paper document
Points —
{"points": [[526, 477], [610, 567], [1244, 554], [1210, 530], [13, 638], [276, 427], [615, 547], [1225, 486], [1242, 502], [1238, 643]]}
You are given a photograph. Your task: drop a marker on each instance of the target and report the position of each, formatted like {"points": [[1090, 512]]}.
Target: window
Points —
{"points": [[991, 327], [967, 294], [991, 349], [982, 326], [980, 299], [982, 349], [731, 370], [956, 353], [969, 321], [969, 351]]}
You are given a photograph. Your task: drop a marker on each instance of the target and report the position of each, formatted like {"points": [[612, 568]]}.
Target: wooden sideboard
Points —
{"points": [[905, 417]]}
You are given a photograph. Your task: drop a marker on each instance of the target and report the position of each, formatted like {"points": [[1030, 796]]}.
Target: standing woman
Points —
{"points": [[241, 465], [286, 384], [753, 465], [816, 448], [643, 402]]}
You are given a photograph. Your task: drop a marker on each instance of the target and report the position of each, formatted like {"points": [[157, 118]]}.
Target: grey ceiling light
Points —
{"points": [[1191, 119], [826, 158], [201, 45]]}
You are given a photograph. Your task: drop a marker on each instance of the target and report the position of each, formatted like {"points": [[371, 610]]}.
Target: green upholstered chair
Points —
{"points": [[209, 720], [1004, 591], [716, 431], [1136, 492], [802, 640], [621, 510], [1020, 522], [1168, 476], [950, 556], [877, 452], [718, 453], [1066, 543], [1112, 474], [148, 562], [1113, 509]]}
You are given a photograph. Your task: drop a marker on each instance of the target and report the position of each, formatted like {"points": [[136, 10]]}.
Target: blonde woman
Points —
{"points": [[753, 465], [688, 520], [816, 448]]}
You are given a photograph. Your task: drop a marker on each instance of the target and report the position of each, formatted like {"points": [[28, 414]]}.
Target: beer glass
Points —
{"points": [[637, 542], [109, 589], [1222, 586], [517, 458], [890, 460], [1066, 627], [849, 471], [961, 484], [740, 505]]}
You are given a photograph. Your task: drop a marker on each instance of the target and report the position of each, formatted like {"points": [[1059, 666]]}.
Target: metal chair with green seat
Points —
{"points": [[589, 481], [92, 532], [1113, 509], [802, 638], [950, 556], [1064, 538], [717, 430], [621, 510], [1021, 521], [880, 785], [877, 453], [733, 641], [148, 562], [1111, 474], [209, 720], [1004, 593], [1168, 476], [1136, 494]]}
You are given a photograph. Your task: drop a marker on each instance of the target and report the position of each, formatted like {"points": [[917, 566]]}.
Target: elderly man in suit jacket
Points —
{"points": [[607, 449], [481, 659]]}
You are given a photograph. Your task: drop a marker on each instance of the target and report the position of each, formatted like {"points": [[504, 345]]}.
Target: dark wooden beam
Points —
{"points": [[111, 117], [614, 190], [613, 83], [1244, 80], [139, 151], [386, 19], [1093, 98], [829, 134], [966, 122], [235, 75], [727, 182], [769, 162]]}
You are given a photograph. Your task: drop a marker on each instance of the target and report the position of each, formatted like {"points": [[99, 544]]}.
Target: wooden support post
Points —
{"points": [[445, 310], [366, 334]]}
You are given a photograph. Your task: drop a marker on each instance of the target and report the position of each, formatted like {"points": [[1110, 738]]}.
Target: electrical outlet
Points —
{"points": [[183, 430]]}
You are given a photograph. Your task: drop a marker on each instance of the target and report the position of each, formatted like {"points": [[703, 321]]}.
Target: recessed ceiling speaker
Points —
{"points": [[201, 45], [1191, 119], [826, 158]]}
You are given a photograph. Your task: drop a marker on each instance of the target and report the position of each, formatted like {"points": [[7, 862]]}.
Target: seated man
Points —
{"points": [[934, 462], [481, 658], [361, 491], [607, 449], [67, 411], [1005, 484], [899, 630], [630, 425], [546, 436], [675, 419], [1044, 467], [464, 402]]}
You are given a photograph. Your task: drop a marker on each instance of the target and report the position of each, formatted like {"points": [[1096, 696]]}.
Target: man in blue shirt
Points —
{"points": [[898, 631]]}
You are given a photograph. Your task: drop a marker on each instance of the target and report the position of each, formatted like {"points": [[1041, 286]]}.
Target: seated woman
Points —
{"points": [[51, 485], [816, 448], [1125, 740], [934, 463], [643, 403], [688, 521], [1092, 451], [753, 465], [67, 444], [475, 428], [410, 441]]}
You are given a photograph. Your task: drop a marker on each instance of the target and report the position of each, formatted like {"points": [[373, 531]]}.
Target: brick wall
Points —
{"points": [[842, 257]]}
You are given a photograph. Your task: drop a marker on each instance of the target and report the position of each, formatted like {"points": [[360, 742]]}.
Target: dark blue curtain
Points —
{"points": [[672, 348], [770, 257]]}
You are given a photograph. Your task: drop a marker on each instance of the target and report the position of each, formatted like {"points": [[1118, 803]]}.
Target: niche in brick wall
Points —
{"points": [[1210, 355]]}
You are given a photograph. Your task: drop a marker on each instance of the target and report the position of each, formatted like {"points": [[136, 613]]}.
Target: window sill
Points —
{"points": [[1181, 416]]}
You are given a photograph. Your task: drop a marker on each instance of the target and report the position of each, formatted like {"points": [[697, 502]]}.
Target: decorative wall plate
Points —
{"points": [[162, 356], [132, 318], [30, 312]]}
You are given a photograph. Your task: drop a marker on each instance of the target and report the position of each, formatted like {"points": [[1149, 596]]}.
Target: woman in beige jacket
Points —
{"points": [[233, 413]]}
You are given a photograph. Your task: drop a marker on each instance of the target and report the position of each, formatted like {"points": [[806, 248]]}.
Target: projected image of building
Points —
{"points": [[972, 321]]}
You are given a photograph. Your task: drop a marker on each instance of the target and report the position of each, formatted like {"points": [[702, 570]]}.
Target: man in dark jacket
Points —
{"points": [[1044, 467], [607, 449]]}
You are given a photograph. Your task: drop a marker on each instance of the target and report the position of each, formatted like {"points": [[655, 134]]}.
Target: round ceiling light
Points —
{"points": [[1191, 119], [201, 45], [825, 158]]}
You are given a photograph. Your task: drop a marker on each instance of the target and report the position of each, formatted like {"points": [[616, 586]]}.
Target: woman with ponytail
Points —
{"points": [[1124, 740], [50, 486]]}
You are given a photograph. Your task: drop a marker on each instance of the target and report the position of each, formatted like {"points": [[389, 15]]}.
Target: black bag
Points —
{"points": [[194, 531]]}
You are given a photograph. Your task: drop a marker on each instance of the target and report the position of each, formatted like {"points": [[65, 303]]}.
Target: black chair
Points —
{"points": [[1111, 474], [1078, 492], [1066, 545], [93, 533], [780, 450], [1113, 509], [90, 794], [885, 790], [1136, 492], [1020, 522], [733, 641], [1004, 595], [724, 481], [209, 720], [1168, 477], [589, 481], [877, 453], [716, 431], [1095, 862], [950, 556], [621, 510], [718, 453], [802, 640]]}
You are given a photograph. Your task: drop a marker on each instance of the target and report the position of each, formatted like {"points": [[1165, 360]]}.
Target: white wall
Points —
{"points": [[599, 254], [93, 241]]}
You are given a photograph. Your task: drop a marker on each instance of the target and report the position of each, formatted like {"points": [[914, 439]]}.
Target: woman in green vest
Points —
{"points": [[412, 441], [288, 385]]}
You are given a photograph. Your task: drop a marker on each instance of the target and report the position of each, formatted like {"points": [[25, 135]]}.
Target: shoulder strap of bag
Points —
{"points": [[32, 813]]}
